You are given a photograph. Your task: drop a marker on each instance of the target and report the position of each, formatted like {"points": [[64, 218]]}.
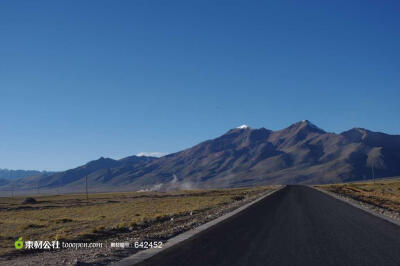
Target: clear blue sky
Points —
{"points": [[84, 79]]}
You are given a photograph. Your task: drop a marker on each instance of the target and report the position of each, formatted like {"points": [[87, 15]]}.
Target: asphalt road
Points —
{"points": [[294, 226]]}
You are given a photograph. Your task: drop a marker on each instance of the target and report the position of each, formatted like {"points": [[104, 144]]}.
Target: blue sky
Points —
{"points": [[84, 79]]}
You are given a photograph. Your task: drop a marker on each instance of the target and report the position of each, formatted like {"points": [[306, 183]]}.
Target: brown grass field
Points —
{"points": [[71, 217], [381, 193]]}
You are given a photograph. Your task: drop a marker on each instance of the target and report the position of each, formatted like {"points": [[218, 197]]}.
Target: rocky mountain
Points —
{"points": [[244, 156], [301, 153]]}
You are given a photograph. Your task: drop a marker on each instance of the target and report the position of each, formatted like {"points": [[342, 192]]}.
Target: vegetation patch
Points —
{"points": [[237, 198], [29, 201], [382, 193], [63, 220]]}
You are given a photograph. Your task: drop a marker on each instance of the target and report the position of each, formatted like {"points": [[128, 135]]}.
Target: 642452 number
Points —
{"points": [[146, 244]]}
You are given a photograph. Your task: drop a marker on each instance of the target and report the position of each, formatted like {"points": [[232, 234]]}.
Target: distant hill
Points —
{"points": [[99, 172], [7, 176], [15, 174], [243, 156]]}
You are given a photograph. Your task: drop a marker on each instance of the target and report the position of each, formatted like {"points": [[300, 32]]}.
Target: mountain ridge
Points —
{"points": [[244, 156]]}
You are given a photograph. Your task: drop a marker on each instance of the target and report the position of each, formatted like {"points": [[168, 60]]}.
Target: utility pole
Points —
{"points": [[373, 173], [87, 195]]}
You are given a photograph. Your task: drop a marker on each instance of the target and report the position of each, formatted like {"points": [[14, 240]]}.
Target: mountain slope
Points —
{"points": [[99, 172], [300, 153]]}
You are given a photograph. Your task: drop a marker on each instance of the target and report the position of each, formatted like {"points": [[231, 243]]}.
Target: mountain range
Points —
{"points": [[14, 174], [7, 174], [243, 156]]}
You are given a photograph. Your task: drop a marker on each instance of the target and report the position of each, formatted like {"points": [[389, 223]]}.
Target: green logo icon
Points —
{"points": [[19, 243]]}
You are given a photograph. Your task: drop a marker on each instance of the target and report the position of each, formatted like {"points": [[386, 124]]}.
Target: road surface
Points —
{"points": [[294, 226]]}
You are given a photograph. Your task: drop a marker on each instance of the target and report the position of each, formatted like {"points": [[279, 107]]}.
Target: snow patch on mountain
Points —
{"points": [[243, 127], [151, 154]]}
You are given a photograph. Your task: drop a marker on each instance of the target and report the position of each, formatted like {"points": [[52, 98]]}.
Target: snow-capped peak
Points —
{"points": [[243, 126]]}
